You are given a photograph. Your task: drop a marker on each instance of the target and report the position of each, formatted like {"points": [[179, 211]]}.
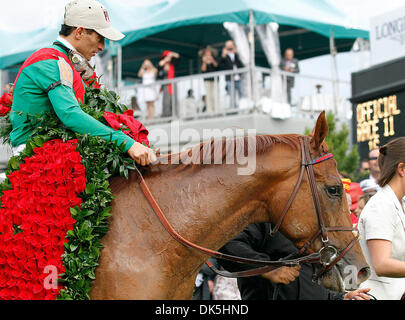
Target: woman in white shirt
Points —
{"points": [[382, 226], [149, 94]]}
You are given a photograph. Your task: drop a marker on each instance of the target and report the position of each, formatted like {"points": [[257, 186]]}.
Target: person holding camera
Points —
{"points": [[149, 94], [230, 61], [209, 64], [166, 70]]}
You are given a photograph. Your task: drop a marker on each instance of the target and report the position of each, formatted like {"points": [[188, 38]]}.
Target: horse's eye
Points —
{"points": [[335, 191]]}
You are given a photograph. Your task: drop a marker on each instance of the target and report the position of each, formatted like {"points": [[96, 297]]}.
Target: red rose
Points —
{"points": [[38, 206], [5, 104], [129, 125]]}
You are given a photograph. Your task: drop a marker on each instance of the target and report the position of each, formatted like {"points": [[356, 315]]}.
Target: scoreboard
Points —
{"points": [[376, 119], [378, 102]]}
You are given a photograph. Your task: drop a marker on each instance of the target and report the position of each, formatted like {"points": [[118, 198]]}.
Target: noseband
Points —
{"points": [[327, 256]]}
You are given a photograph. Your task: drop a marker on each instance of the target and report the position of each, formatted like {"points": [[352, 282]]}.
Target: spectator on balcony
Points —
{"points": [[230, 61], [166, 70], [149, 94], [289, 64], [189, 105], [209, 64]]}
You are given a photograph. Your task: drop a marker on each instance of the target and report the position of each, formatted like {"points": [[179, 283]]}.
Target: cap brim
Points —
{"points": [[110, 33]]}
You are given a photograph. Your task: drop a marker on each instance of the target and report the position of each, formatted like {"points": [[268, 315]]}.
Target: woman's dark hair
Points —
{"points": [[391, 154], [67, 30]]}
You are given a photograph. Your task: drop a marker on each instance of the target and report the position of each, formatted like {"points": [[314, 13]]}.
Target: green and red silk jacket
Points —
{"points": [[35, 93]]}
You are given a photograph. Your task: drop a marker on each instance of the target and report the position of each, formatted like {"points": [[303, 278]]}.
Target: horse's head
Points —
{"points": [[302, 224]]}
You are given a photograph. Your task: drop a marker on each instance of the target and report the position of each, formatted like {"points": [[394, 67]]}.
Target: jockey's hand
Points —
{"points": [[359, 294], [284, 275], [142, 154], [211, 286]]}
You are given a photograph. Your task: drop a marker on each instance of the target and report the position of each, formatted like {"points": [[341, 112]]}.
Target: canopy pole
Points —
{"points": [[119, 66], [335, 85], [251, 38]]}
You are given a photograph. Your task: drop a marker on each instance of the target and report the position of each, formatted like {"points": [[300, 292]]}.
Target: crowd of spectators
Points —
{"points": [[210, 61]]}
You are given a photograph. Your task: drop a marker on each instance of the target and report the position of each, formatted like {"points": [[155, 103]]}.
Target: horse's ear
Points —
{"points": [[320, 131]]}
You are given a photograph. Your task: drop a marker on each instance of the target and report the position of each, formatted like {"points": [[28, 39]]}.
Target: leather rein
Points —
{"points": [[328, 255]]}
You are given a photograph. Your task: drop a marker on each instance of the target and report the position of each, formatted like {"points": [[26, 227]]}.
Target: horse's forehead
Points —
{"points": [[327, 171]]}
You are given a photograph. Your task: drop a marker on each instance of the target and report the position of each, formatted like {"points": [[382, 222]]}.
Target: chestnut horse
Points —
{"points": [[209, 204]]}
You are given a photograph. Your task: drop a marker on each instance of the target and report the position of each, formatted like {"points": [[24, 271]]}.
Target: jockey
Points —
{"points": [[54, 78]]}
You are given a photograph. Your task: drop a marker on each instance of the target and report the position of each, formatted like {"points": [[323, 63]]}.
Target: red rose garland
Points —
{"points": [[92, 81], [35, 214], [129, 125], [34, 219]]}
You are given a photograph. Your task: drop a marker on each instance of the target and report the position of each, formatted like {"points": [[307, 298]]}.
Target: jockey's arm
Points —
{"points": [[69, 112], [72, 116]]}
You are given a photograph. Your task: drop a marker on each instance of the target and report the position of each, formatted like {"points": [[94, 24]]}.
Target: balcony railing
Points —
{"points": [[236, 91]]}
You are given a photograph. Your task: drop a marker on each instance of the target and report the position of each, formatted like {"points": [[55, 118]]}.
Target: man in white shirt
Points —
{"points": [[370, 184]]}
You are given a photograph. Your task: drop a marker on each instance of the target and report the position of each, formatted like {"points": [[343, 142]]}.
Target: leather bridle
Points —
{"points": [[327, 256]]}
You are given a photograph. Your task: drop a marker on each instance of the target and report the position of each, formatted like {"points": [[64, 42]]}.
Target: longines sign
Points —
{"points": [[387, 36], [379, 120]]}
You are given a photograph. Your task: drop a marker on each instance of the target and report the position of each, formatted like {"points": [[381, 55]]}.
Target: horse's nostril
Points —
{"points": [[363, 274]]}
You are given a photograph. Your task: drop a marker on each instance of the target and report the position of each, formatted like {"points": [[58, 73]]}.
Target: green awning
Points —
{"points": [[315, 15], [187, 26]]}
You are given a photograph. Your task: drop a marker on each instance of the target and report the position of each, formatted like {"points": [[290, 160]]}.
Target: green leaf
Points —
{"points": [[90, 188], [74, 211], [70, 234], [13, 163], [86, 213]]}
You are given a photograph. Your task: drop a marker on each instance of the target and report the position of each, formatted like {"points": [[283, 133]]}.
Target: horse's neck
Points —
{"points": [[206, 204], [210, 205]]}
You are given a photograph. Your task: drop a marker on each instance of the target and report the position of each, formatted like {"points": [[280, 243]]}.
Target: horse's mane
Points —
{"points": [[216, 151]]}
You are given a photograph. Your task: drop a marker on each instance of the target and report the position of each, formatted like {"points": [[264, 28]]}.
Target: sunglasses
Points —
{"points": [[372, 158]]}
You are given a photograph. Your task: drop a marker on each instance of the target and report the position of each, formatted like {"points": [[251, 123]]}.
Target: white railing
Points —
{"points": [[309, 95], [202, 85]]}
